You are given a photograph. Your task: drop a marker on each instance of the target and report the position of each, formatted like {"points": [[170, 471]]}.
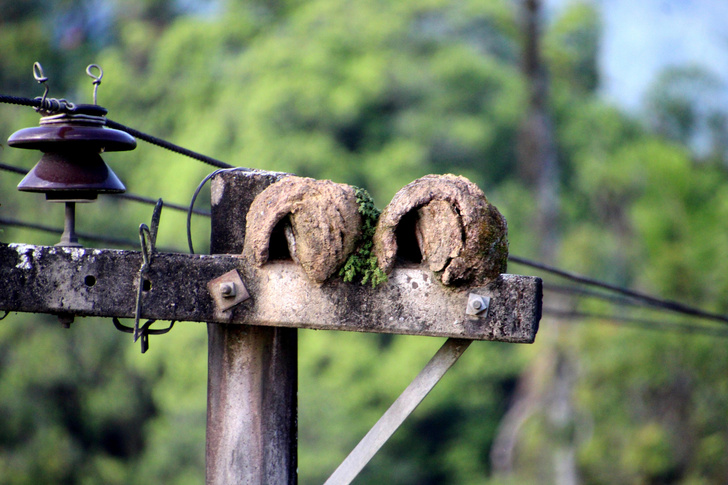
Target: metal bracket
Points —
{"points": [[228, 290], [477, 305]]}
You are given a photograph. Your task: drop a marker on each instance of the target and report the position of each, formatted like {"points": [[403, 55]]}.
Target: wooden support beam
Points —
{"points": [[94, 282]]}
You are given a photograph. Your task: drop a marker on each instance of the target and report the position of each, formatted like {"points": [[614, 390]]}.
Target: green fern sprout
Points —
{"points": [[363, 263]]}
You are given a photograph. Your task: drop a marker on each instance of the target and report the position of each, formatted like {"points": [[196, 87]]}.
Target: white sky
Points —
{"points": [[641, 37]]}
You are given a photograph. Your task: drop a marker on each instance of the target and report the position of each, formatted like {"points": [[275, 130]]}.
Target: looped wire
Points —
{"points": [[49, 105], [148, 240], [38, 73], [40, 76], [96, 79]]}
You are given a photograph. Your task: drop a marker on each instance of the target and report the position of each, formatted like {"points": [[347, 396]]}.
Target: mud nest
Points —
{"points": [[458, 234], [319, 219]]}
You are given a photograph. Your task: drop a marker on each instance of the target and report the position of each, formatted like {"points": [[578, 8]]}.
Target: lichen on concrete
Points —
{"points": [[325, 224], [461, 236]]}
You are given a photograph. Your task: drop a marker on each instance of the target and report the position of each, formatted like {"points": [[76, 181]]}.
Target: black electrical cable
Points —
{"points": [[167, 145], [128, 243], [587, 293], [126, 195], [10, 168], [135, 133], [35, 103], [638, 322], [167, 205], [194, 198], [670, 305]]}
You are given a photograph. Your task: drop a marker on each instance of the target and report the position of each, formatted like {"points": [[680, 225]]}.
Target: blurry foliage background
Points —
{"points": [[377, 93]]}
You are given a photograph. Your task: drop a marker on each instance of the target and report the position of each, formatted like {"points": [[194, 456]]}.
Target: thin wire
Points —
{"points": [[167, 205], [126, 195], [587, 293], [135, 133], [638, 322], [128, 243], [194, 198], [10, 168], [671, 305]]}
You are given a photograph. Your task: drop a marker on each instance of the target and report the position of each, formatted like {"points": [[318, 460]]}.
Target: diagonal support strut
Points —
{"points": [[393, 418]]}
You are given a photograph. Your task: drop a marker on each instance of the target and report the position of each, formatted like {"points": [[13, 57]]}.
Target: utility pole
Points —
{"points": [[252, 371], [253, 313], [254, 306]]}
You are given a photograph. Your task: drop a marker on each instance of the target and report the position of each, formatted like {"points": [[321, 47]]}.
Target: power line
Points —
{"points": [[123, 242], [167, 205], [168, 145], [126, 195], [670, 305], [10, 168], [35, 103], [135, 133], [587, 293], [646, 324]]}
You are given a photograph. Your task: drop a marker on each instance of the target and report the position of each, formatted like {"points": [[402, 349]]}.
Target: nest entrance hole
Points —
{"points": [[278, 243], [408, 249]]}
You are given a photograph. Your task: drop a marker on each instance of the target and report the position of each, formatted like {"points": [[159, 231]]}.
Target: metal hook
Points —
{"points": [[156, 214], [38, 73], [40, 76], [146, 331], [148, 240], [96, 79]]}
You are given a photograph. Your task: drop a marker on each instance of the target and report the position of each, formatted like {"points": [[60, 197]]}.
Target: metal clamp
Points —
{"points": [[228, 290]]}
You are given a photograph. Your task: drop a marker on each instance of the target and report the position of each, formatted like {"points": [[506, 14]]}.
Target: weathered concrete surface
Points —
{"points": [[479, 255], [51, 279], [96, 282], [324, 226], [252, 402]]}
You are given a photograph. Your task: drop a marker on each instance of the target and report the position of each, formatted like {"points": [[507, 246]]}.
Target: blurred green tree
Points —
{"points": [[376, 94]]}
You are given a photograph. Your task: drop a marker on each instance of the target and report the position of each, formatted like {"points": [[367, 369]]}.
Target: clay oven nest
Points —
{"points": [[458, 233], [320, 220]]}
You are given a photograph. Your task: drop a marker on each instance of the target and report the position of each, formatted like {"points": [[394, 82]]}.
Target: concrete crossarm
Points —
{"points": [[93, 282]]}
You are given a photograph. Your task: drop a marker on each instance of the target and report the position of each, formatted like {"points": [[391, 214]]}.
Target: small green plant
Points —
{"points": [[363, 263]]}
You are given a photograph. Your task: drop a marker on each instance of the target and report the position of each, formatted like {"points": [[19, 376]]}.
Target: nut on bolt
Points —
{"points": [[227, 289], [477, 305]]}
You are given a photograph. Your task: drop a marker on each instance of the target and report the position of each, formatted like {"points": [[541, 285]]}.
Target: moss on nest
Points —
{"points": [[362, 263]]}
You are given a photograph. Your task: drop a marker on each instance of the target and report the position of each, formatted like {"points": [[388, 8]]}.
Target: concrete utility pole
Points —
{"points": [[253, 311], [252, 371]]}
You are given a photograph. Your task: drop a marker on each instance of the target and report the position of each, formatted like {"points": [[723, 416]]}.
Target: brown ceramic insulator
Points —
{"points": [[71, 167]]}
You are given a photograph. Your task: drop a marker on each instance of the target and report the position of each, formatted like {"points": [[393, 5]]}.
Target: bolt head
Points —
{"points": [[476, 304]]}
